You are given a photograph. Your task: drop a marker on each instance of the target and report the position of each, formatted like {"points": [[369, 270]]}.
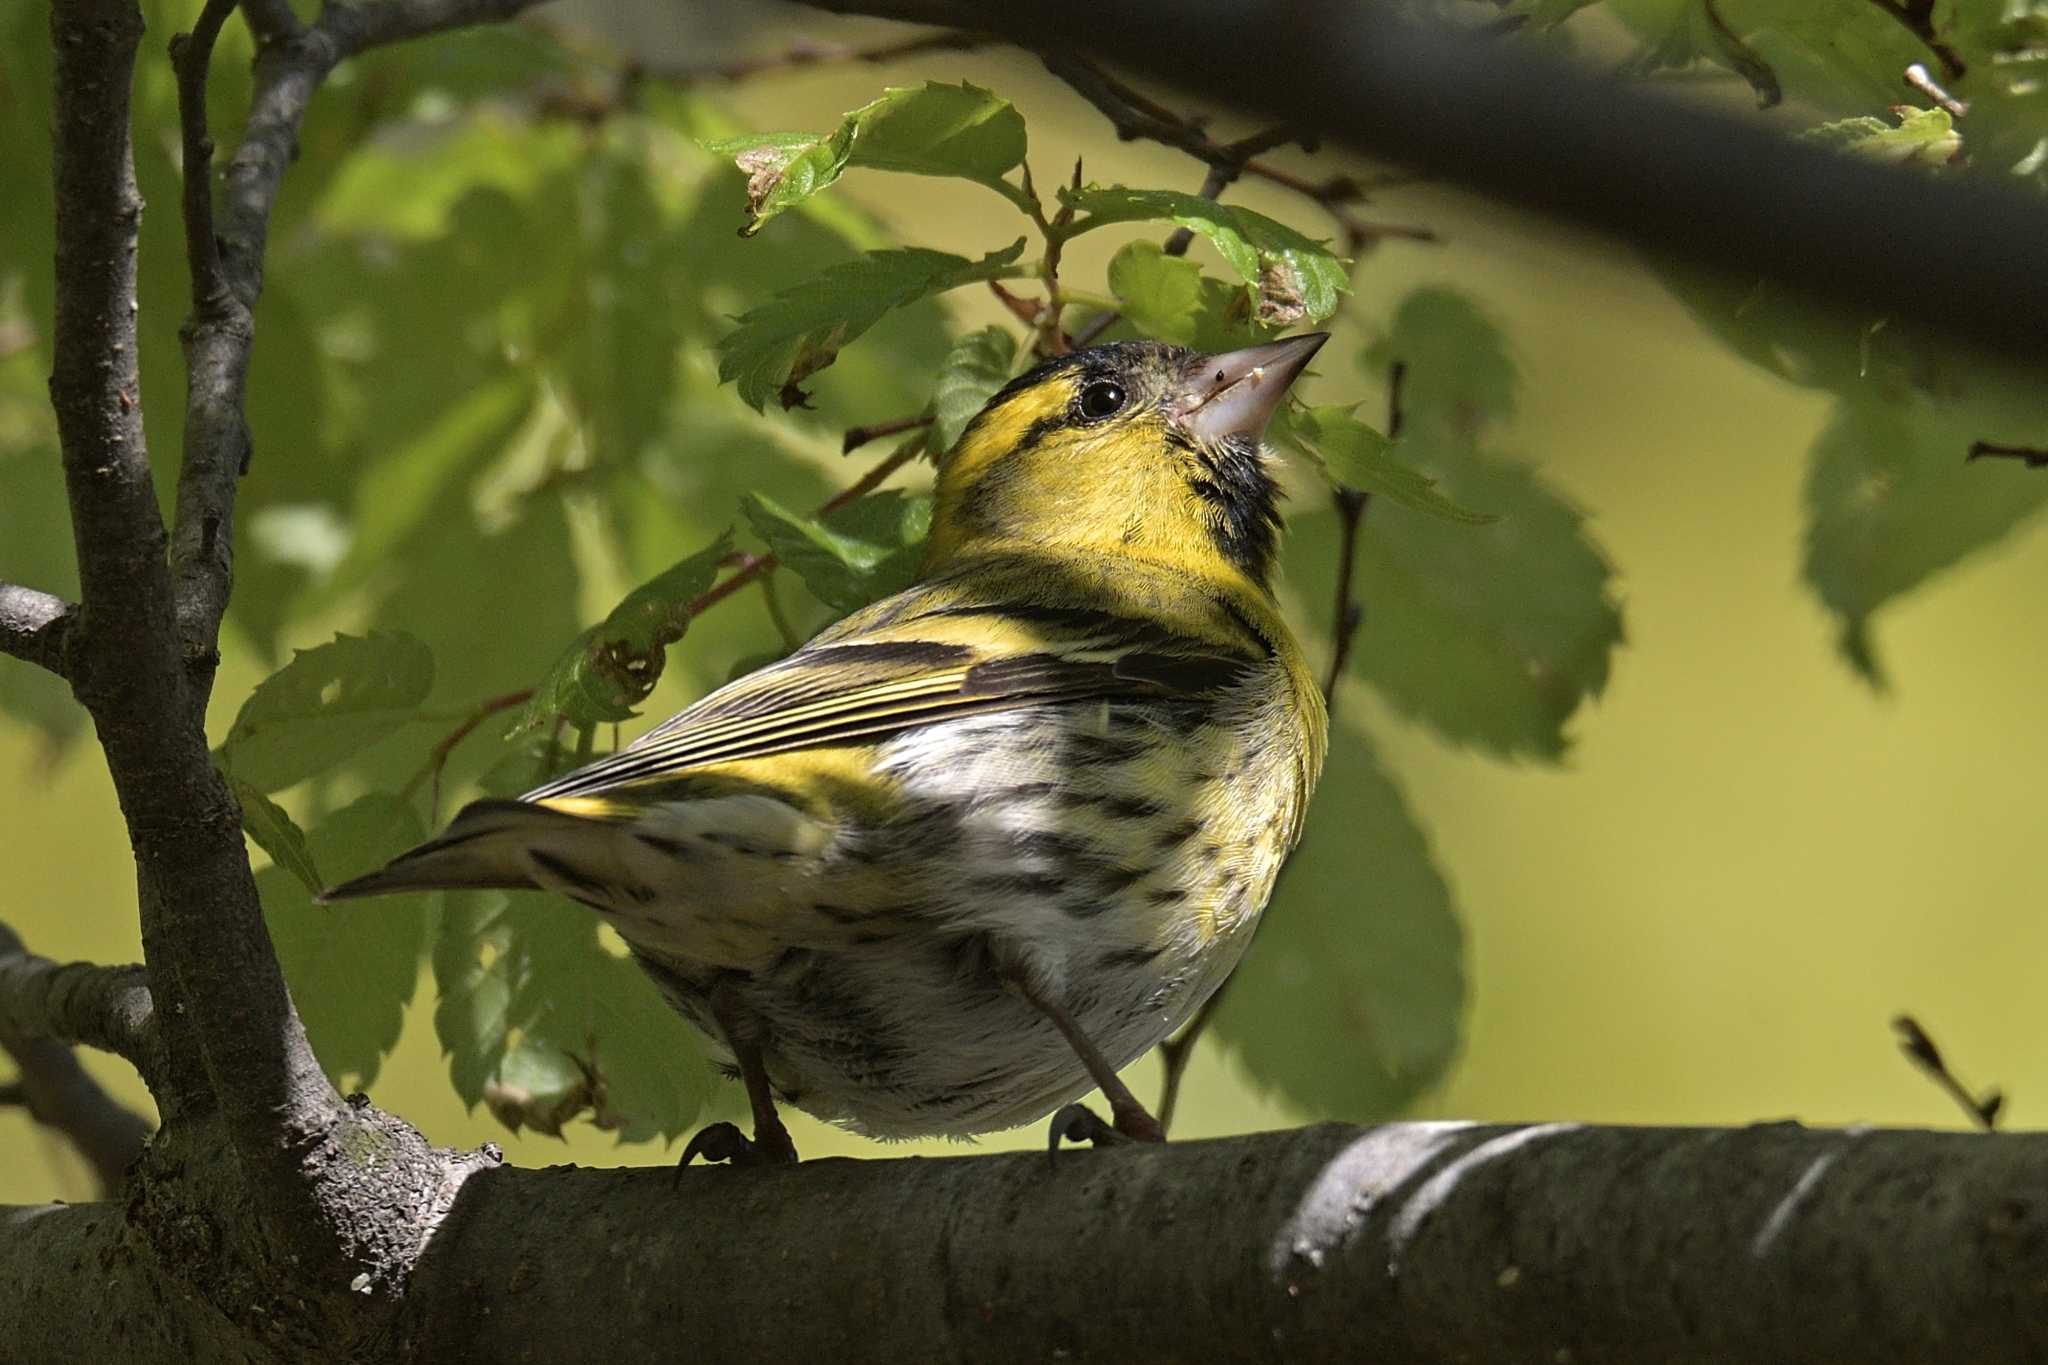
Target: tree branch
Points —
{"points": [[102, 1007], [1533, 130], [36, 627], [43, 1007], [1427, 1242], [231, 1038]]}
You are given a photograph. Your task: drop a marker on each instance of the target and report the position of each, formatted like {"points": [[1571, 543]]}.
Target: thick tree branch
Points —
{"points": [[1515, 123], [141, 664], [36, 627], [58, 1094], [1409, 1243]]}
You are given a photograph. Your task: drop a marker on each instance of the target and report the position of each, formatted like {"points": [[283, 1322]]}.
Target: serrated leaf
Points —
{"points": [[1892, 498], [324, 706], [860, 553], [542, 1024], [610, 668], [933, 129], [1351, 454], [274, 831], [1289, 279], [1493, 635], [1160, 294], [977, 366], [782, 342], [1351, 998], [352, 967]]}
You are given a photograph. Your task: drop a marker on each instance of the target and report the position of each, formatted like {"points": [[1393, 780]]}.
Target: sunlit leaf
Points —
{"points": [[779, 344], [352, 967], [862, 552], [1290, 279], [978, 365], [274, 831], [325, 705], [1921, 136], [610, 668], [1351, 998], [933, 129]]}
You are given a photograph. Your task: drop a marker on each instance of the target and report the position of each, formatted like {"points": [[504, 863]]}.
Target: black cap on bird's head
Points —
{"points": [[1137, 448]]}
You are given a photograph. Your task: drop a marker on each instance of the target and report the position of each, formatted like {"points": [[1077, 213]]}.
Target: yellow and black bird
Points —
{"points": [[981, 844]]}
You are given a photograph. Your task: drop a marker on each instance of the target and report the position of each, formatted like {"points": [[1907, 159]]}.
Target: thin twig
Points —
{"points": [[1918, 77], [2034, 457], [217, 338], [746, 568], [1917, 18], [1921, 1051], [856, 437], [1349, 615]]}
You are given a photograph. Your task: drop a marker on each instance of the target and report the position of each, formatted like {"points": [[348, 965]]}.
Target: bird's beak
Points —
{"points": [[1237, 393]]}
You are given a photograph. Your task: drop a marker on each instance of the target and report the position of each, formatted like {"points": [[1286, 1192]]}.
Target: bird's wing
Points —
{"points": [[913, 660]]}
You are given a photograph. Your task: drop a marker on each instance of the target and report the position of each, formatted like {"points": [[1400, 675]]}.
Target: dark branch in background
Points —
{"points": [[1134, 116], [1542, 133], [1921, 1051], [1917, 18], [2034, 457], [36, 627], [43, 1008], [803, 53], [856, 437]]}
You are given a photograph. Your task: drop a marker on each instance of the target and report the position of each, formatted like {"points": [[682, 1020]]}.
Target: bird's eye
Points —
{"points": [[1100, 399]]}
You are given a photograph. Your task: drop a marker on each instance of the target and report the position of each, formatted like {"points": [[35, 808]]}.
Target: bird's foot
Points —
{"points": [[1078, 1123], [725, 1142]]}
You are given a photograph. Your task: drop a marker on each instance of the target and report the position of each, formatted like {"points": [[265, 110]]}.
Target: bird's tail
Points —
{"points": [[484, 847]]}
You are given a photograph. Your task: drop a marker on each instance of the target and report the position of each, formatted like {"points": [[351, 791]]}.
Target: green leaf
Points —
{"points": [[1456, 370], [1350, 999], [779, 344], [977, 366], [933, 129], [1351, 454], [352, 968], [1493, 635], [610, 668], [860, 553], [1921, 136], [542, 1023], [1289, 279], [1160, 294], [325, 705], [1892, 498], [275, 832]]}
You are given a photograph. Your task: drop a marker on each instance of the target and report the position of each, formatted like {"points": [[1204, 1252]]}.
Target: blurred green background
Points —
{"points": [[1748, 861]]}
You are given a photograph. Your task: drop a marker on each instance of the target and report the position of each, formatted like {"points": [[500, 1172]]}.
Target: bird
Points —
{"points": [[970, 851]]}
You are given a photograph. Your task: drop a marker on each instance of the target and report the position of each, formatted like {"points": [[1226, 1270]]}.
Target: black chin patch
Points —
{"points": [[1233, 480]]}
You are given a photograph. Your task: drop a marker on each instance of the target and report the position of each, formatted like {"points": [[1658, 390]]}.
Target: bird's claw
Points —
{"points": [[725, 1142], [1078, 1123]]}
